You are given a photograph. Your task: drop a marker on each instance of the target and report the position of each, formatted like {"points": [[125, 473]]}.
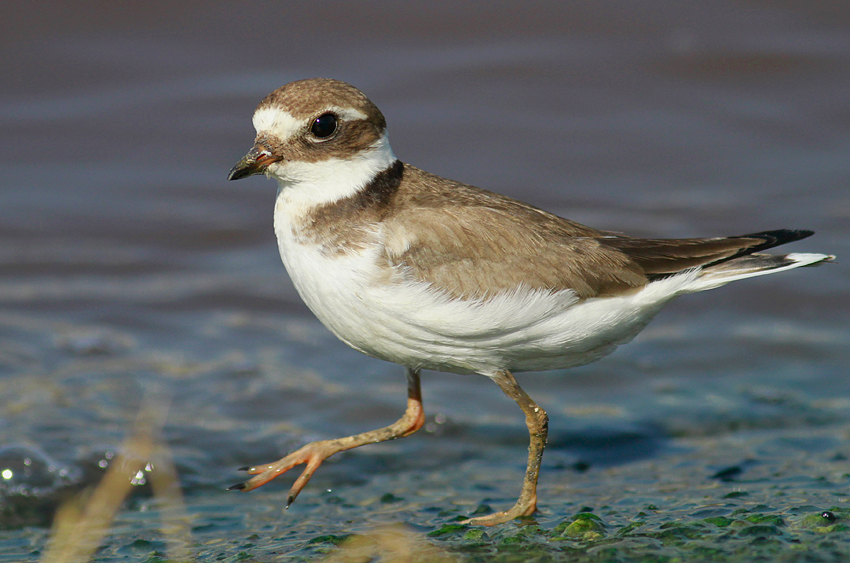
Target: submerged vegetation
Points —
{"points": [[729, 527]]}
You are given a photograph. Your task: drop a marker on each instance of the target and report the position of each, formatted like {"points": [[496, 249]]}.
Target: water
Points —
{"points": [[131, 268]]}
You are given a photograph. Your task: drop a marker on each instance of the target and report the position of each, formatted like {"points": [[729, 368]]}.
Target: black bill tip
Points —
{"points": [[241, 170], [256, 161]]}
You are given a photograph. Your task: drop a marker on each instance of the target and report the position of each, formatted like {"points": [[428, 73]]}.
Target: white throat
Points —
{"points": [[308, 184]]}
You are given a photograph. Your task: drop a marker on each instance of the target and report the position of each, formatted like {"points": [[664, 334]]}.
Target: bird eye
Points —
{"points": [[324, 126]]}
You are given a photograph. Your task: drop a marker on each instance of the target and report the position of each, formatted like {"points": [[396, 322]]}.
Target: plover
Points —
{"points": [[430, 273]]}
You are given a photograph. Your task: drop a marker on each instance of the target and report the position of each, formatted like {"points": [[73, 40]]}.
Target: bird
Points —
{"points": [[430, 273]]}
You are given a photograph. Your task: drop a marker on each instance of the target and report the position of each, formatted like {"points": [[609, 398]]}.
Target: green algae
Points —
{"points": [[329, 539], [616, 536], [447, 529], [719, 521], [772, 519], [586, 537], [827, 522], [584, 526], [389, 498]]}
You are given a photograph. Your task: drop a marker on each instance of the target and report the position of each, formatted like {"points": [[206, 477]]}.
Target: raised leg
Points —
{"points": [[538, 428], [314, 453]]}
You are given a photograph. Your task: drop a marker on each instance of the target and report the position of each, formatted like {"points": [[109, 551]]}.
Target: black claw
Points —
{"points": [[289, 501], [237, 487], [246, 468]]}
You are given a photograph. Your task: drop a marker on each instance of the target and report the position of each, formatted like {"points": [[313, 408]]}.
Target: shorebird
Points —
{"points": [[430, 273]]}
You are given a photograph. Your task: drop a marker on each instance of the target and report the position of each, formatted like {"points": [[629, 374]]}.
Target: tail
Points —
{"points": [[716, 261], [752, 265]]}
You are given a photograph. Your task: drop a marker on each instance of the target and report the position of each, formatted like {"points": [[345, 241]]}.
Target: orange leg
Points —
{"points": [[314, 453], [538, 429]]}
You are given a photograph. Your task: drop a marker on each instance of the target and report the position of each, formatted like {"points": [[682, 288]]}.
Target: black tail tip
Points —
{"points": [[778, 237]]}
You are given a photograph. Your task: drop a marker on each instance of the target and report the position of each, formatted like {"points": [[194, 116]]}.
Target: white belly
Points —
{"points": [[410, 323]]}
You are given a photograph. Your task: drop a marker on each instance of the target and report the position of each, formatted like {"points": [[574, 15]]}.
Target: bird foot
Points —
{"points": [[520, 509], [313, 454]]}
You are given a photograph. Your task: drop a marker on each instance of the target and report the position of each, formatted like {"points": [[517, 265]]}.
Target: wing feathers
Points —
{"points": [[471, 243], [660, 257]]}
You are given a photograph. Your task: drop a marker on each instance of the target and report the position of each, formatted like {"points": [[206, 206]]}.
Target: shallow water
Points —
{"points": [[131, 268]]}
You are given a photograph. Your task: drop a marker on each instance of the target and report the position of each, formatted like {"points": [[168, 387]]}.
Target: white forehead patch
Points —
{"points": [[283, 125], [276, 121]]}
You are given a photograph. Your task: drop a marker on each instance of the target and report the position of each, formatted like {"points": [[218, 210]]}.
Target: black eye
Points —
{"points": [[324, 126]]}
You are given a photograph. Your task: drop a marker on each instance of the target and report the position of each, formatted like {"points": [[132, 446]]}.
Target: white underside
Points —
{"points": [[410, 323]]}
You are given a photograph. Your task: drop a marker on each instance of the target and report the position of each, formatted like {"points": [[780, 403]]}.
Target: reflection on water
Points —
{"points": [[129, 265]]}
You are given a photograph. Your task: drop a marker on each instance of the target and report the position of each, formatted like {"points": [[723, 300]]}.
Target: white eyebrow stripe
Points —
{"points": [[349, 114]]}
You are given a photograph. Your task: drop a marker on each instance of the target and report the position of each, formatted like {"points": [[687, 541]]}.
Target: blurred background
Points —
{"points": [[130, 267]]}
